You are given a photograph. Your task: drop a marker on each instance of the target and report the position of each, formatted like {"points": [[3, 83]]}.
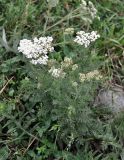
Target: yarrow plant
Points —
{"points": [[37, 49], [85, 39], [49, 103]]}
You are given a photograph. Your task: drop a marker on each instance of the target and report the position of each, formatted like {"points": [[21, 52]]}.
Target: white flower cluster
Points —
{"points": [[69, 31], [37, 49], [90, 75], [67, 62], [74, 84], [57, 72], [74, 67], [85, 39], [88, 7], [92, 10]]}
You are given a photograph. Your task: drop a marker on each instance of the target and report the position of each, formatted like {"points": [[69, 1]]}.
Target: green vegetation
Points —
{"points": [[45, 118]]}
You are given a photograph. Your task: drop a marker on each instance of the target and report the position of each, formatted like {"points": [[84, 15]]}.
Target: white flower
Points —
{"points": [[74, 84], [74, 67], [67, 62], [92, 10], [37, 49], [82, 77], [85, 39], [26, 47], [57, 72], [83, 2], [69, 31], [89, 9], [90, 75], [94, 74], [42, 60]]}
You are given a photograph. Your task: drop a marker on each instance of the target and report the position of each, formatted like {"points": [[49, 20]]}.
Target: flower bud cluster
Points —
{"points": [[69, 31], [92, 9], [89, 8], [85, 39], [74, 84], [37, 49], [90, 75], [57, 72], [66, 63], [74, 67]]}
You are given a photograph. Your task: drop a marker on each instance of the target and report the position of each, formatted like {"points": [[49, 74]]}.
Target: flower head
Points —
{"points": [[69, 31], [85, 39], [74, 67], [90, 75], [74, 84], [82, 77], [57, 72], [89, 8], [67, 62], [37, 49]]}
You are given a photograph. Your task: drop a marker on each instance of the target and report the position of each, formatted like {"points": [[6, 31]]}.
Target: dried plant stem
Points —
{"points": [[29, 145], [4, 87]]}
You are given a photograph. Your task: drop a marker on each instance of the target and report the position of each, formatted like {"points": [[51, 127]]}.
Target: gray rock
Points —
{"points": [[112, 98]]}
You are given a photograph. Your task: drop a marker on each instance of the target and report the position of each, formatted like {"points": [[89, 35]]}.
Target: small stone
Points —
{"points": [[112, 98]]}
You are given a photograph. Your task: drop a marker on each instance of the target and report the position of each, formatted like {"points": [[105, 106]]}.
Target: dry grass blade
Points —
{"points": [[4, 87]]}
